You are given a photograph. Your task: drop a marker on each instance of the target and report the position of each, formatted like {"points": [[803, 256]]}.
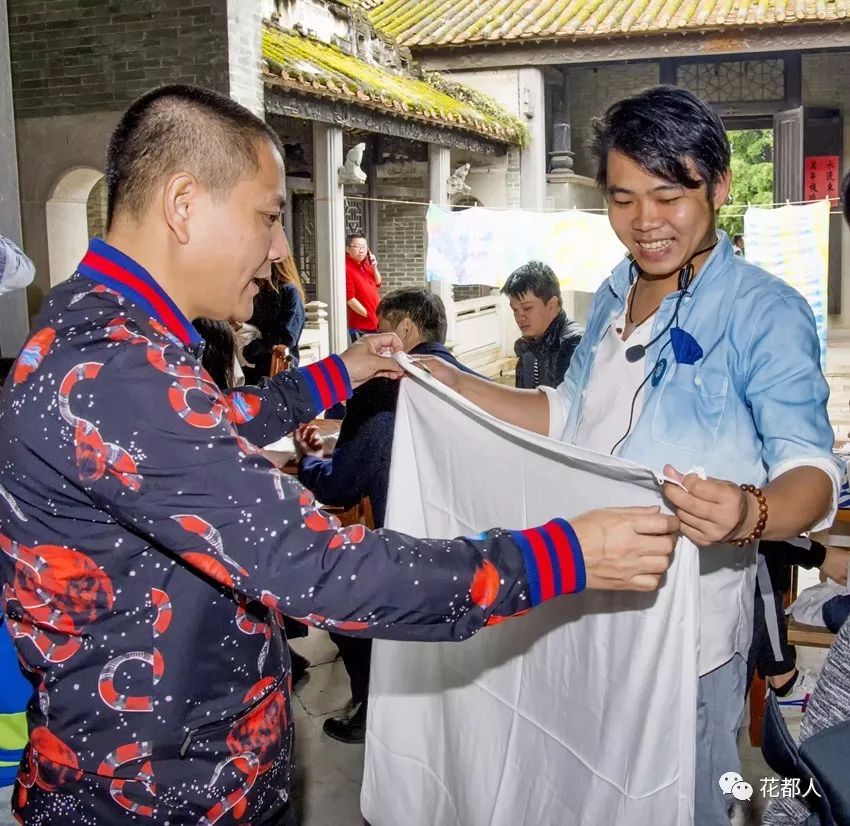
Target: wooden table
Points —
{"points": [[815, 636]]}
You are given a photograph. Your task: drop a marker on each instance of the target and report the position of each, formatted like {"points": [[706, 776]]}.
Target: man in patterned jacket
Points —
{"points": [[148, 551]]}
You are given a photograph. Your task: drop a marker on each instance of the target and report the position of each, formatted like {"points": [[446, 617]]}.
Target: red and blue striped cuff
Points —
{"points": [[328, 381], [553, 560]]}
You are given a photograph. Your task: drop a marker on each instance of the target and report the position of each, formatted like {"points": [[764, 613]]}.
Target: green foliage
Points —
{"points": [[752, 176]]}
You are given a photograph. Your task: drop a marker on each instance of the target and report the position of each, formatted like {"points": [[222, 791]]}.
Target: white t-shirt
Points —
{"points": [[607, 414]]}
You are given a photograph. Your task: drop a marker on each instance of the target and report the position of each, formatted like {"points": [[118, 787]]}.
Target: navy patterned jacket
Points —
{"points": [[148, 553]]}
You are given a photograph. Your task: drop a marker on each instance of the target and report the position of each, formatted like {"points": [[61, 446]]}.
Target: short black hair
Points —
{"points": [[352, 236], [738, 237], [180, 128], [845, 197], [421, 306], [534, 277], [660, 129]]}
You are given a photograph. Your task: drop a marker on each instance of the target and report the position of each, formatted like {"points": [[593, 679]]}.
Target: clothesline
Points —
{"points": [[731, 210]]}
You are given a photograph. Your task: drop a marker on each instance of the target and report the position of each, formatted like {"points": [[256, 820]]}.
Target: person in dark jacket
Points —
{"points": [[360, 465], [548, 336], [279, 316], [770, 653], [148, 550]]}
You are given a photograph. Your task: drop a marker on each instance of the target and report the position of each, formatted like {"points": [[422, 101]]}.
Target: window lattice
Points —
{"points": [[304, 238], [355, 215], [734, 80]]}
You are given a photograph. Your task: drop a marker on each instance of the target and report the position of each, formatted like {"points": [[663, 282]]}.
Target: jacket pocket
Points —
{"points": [[265, 700], [690, 407]]}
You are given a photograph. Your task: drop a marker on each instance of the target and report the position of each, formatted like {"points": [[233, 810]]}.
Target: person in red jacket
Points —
{"points": [[149, 551], [362, 280]]}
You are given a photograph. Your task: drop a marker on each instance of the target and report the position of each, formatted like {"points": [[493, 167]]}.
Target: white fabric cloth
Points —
{"points": [[727, 583], [238, 373], [245, 334], [581, 712], [808, 607], [610, 405]]}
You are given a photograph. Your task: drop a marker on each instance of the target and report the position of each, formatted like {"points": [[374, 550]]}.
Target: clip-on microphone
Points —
{"points": [[637, 351]]}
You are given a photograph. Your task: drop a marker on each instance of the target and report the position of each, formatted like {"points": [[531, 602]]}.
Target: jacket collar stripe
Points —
{"points": [[107, 265]]}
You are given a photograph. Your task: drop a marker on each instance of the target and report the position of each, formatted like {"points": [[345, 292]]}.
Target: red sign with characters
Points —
{"points": [[820, 177]]}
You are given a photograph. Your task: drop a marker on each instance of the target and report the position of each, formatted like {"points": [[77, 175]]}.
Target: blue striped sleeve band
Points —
{"points": [[328, 381], [553, 560]]}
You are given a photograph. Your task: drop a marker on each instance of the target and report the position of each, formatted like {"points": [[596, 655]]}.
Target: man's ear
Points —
{"points": [[403, 329], [721, 189], [178, 202]]}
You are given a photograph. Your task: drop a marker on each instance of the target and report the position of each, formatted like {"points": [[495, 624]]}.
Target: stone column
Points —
{"points": [[330, 230], [14, 323], [533, 157], [439, 169], [245, 54]]}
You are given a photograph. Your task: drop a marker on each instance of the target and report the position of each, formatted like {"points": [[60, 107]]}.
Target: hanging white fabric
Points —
{"points": [[484, 246], [581, 712]]}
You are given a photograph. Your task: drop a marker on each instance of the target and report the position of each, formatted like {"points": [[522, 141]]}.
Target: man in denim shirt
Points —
{"points": [[693, 360]]}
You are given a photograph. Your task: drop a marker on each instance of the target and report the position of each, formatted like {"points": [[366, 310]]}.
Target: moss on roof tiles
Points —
{"points": [[309, 65], [456, 22]]}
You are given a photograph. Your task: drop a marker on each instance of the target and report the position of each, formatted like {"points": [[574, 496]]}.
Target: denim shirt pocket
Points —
{"points": [[690, 406]]}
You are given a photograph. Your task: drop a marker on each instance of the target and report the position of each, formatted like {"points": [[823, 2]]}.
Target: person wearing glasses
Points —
{"points": [[362, 280]]}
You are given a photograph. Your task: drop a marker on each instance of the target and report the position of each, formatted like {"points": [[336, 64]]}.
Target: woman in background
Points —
{"points": [[279, 316]]}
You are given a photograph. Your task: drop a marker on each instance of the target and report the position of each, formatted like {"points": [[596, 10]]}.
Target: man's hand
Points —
{"points": [[308, 442], [626, 549], [711, 511], [364, 359], [835, 564], [373, 262], [440, 369]]}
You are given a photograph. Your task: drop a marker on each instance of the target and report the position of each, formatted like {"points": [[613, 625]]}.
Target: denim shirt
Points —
{"points": [[750, 407]]}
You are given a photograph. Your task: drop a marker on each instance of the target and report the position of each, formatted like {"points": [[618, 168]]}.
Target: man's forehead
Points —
{"points": [[272, 173], [624, 173]]}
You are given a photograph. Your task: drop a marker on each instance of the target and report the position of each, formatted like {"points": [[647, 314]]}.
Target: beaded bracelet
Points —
{"points": [[762, 521]]}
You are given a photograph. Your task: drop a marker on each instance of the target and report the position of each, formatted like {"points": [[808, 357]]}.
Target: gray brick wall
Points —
{"points": [[73, 56], [592, 91], [96, 210], [461, 292], [401, 246]]}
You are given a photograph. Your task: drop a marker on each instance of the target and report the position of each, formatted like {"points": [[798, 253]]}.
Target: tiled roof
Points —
{"points": [[303, 64], [457, 22]]}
